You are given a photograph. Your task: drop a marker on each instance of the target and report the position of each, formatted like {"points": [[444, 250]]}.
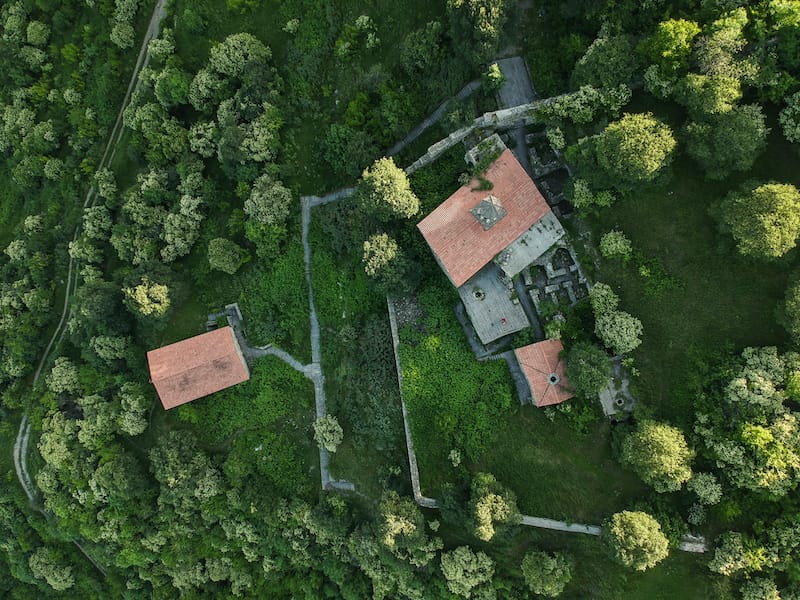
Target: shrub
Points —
{"points": [[328, 433], [547, 574], [619, 331], [603, 299], [615, 244], [226, 256]]}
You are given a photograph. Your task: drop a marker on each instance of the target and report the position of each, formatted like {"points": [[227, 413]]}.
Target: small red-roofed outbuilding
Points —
{"points": [[196, 367], [543, 367]]}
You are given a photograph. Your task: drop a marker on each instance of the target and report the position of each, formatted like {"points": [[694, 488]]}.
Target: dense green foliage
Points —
{"points": [[384, 192], [764, 220], [384, 263], [635, 148], [547, 575], [659, 454], [635, 540], [445, 412], [248, 104], [727, 142], [588, 369]]}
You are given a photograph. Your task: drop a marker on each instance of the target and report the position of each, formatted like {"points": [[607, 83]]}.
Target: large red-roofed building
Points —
{"points": [[482, 238], [463, 245], [196, 367], [543, 367]]}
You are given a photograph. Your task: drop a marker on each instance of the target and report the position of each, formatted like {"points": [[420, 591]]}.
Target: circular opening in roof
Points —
{"points": [[553, 378], [479, 294]]}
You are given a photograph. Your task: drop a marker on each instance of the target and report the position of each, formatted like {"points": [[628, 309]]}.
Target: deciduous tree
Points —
{"points": [[133, 409], [636, 148], [588, 369], [609, 62], [63, 377], [615, 244], [384, 262], [760, 588], [493, 507], [705, 95], [465, 570], [402, 530], [328, 433], [789, 313], [706, 487], [269, 201], [635, 540], [547, 574], [764, 221], [46, 564], [476, 25], [619, 331], [733, 554], [97, 222], [728, 142], [748, 430], [232, 56], [659, 455], [789, 118], [147, 298], [670, 46], [421, 49], [226, 256], [385, 193]]}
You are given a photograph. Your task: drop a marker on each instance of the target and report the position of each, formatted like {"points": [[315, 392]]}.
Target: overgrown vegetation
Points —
{"points": [[680, 123]]}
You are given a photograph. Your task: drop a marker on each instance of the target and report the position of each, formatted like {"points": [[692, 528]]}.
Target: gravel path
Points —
{"points": [[259, 351], [433, 117], [314, 370]]}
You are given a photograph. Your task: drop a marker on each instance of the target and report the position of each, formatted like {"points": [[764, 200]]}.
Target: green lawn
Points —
{"points": [[681, 576], [722, 298], [557, 472]]}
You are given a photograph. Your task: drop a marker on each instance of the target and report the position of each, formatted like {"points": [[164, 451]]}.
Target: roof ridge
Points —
{"points": [[217, 351]]}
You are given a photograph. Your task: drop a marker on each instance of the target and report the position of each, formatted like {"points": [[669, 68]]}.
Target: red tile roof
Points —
{"points": [[458, 239], [540, 362], [196, 367]]}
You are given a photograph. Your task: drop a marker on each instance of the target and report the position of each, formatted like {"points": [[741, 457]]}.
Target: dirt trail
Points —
{"points": [[23, 435]]}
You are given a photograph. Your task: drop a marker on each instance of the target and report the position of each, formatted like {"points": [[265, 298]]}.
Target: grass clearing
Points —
{"points": [[555, 471], [723, 299]]}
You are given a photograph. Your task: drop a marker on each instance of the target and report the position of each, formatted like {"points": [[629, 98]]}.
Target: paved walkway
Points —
{"points": [[314, 370], [516, 90], [313, 201], [259, 351]]}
